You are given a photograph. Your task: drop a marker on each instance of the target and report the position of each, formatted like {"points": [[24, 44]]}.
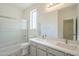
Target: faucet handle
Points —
{"points": [[42, 36], [45, 35]]}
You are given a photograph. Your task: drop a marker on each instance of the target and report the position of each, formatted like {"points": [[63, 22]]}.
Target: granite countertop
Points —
{"points": [[52, 43]]}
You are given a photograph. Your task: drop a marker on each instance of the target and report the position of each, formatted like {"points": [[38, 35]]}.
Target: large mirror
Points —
{"points": [[70, 29], [57, 22], [68, 22]]}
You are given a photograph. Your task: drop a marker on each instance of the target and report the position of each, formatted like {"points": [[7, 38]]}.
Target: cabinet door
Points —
{"points": [[55, 52], [32, 50], [41, 52]]}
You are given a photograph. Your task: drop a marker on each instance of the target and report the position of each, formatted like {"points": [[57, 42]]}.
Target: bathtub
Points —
{"points": [[15, 50]]}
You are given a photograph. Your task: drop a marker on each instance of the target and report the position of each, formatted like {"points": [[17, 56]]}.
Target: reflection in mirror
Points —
{"points": [[70, 29]]}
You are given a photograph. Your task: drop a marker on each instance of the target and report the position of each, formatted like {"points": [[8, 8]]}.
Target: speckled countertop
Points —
{"points": [[52, 43]]}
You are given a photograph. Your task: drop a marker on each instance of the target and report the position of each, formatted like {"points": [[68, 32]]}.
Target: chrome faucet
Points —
{"points": [[44, 36], [66, 41]]}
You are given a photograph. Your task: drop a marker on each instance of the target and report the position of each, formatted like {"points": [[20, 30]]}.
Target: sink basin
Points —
{"points": [[67, 46], [40, 39]]}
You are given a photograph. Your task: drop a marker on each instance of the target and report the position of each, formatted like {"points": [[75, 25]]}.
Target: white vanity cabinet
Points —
{"points": [[41, 52], [37, 49], [66, 54], [33, 49], [54, 52]]}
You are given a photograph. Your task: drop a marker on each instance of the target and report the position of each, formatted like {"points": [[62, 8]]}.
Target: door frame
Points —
{"points": [[74, 26]]}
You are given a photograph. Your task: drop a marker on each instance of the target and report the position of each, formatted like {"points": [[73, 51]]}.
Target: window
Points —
{"points": [[33, 19]]}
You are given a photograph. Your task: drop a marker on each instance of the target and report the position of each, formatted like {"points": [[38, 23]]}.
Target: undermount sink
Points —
{"points": [[67, 46], [42, 39]]}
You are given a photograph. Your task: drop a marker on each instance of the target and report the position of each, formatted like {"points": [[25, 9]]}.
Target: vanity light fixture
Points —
{"points": [[55, 6], [52, 4]]}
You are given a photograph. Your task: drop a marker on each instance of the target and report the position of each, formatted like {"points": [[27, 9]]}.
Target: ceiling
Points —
{"points": [[18, 5]]}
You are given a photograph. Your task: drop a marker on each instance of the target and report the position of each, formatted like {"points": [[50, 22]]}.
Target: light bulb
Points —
{"points": [[51, 4]]}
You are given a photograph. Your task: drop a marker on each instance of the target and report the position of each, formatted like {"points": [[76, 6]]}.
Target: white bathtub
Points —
{"points": [[15, 50]]}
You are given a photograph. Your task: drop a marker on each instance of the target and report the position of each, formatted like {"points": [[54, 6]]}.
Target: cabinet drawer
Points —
{"points": [[55, 52], [41, 47]]}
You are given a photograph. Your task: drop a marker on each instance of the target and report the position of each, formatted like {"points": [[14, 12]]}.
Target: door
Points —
{"points": [[68, 29]]}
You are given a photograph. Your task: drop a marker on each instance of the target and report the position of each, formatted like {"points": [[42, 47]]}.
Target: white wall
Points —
{"points": [[10, 11], [49, 24], [48, 21]]}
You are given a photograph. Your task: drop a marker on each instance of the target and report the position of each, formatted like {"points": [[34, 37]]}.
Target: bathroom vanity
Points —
{"points": [[52, 47]]}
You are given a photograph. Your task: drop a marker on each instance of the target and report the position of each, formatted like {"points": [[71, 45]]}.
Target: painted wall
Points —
{"points": [[48, 21], [10, 11], [49, 24]]}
